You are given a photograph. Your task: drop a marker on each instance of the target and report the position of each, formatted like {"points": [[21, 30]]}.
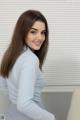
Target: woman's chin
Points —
{"points": [[36, 48]]}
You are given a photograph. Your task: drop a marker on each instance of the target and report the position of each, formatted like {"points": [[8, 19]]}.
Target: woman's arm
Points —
{"points": [[25, 103]]}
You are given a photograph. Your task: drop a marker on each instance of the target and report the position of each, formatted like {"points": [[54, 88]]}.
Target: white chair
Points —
{"points": [[74, 111]]}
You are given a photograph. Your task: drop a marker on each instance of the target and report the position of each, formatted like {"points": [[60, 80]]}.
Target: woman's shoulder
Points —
{"points": [[27, 59], [27, 56]]}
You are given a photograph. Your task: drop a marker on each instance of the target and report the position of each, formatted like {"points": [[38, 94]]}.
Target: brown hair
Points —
{"points": [[23, 25]]}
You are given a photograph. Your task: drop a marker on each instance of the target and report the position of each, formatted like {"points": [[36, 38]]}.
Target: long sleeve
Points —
{"points": [[25, 103]]}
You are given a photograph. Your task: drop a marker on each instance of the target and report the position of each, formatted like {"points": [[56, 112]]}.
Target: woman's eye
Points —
{"points": [[43, 33], [33, 32]]}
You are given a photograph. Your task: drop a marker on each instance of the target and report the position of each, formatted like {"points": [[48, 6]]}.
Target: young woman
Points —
{"points": [[22, 67]]}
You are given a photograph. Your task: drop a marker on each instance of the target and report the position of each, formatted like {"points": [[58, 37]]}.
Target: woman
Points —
{"points": [[22, 67]]}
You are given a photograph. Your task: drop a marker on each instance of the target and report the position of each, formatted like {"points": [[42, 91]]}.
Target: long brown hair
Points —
{"points": [[22, 27]]}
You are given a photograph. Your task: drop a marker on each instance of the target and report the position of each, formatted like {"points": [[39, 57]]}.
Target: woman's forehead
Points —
{"points": [[38, 25]]}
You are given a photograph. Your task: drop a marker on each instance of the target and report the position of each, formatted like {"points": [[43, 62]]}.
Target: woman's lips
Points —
{"points": [[37, 43]]}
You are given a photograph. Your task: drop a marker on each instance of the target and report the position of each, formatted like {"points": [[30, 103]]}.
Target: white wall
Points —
{"points": [[62, 67]]}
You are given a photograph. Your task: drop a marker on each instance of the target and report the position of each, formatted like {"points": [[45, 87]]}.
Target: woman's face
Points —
{"points": [[36, 35]]}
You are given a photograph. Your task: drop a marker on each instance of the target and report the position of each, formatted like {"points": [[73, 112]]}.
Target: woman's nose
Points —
{"points": [[39, 36]]}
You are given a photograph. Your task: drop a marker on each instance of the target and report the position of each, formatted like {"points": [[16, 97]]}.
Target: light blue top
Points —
{"points": [[25, 83]]}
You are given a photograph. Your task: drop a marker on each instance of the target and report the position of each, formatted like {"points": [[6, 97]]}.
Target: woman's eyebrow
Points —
{"points": [[37, 29], [34, 28]]}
